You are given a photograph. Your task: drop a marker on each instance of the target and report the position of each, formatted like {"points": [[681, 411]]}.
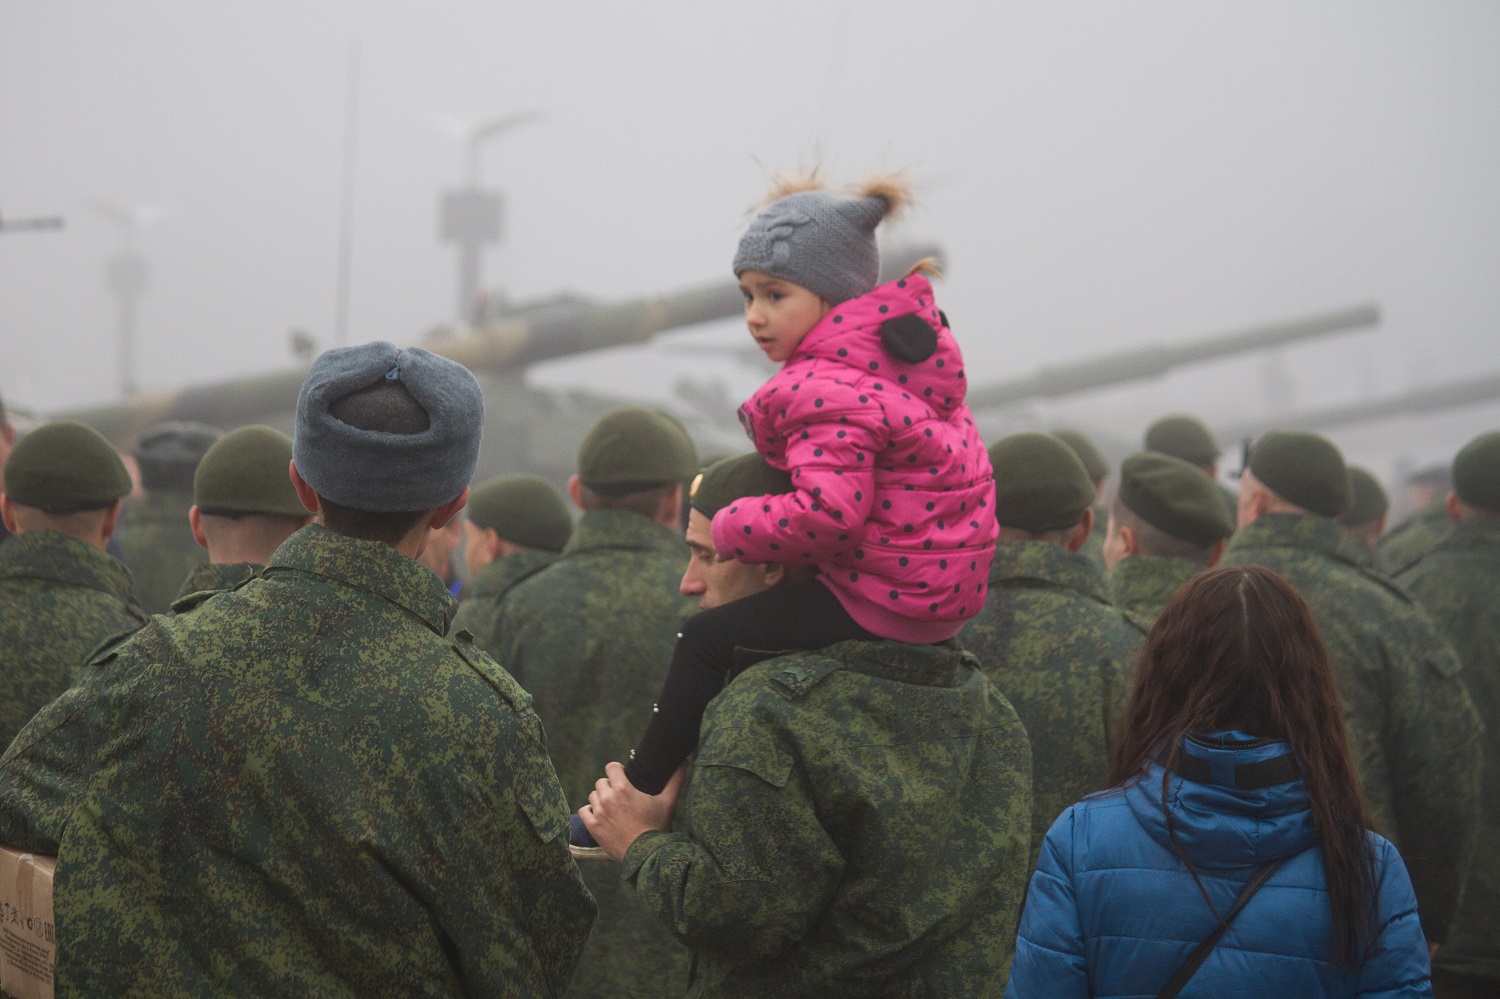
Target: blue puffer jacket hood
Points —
{"points": [[1113, 911], [1220, 825]]}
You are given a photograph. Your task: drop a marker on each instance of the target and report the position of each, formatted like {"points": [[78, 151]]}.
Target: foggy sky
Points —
{"points": [[1100, 175]]}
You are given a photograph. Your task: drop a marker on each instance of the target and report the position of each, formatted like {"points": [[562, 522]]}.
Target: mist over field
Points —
{"points": [[1099, 177]]}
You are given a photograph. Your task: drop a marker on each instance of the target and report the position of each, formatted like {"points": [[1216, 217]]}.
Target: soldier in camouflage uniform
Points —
{"points": [[514, 527], [590, 637], [1365, 518], [1048, 636], [1458, 584], [1427, 493], [244, 507], [1167, 525], [1098, 469], [858, 818], [300, 787], [1186, 437], [1412, 727], [60, 593], [154, 537]]}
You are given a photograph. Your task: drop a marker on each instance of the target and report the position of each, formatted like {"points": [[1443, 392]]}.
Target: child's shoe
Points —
{"points": [[580, 844]]}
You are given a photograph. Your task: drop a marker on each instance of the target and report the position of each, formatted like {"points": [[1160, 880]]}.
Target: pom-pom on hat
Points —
{"points": [[1174, 497], [1304, 469], [1476, 472], [1040, 485], [524, 510], [245, 472], [632, 449], [65, 467], [1367, 498], [820, 240], [1183, 437], [723, 482], [383, 472]]}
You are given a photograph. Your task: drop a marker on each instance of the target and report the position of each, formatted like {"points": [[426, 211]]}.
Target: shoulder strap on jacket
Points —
{"points": [[1197, 957]]}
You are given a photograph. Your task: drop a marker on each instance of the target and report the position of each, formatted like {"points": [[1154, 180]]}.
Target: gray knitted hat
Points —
{"points": [[387, 472], [821, 241]]}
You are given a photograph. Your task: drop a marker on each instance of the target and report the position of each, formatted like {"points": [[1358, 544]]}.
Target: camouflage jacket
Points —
{"points": [[1053, 644], [1406, 543], [59, 598], [1141, 585], [590, 638], [157, 544], [1458, 583], [300, 788], [857, 825], [212, 576], [1413, 730], [480, 611]]}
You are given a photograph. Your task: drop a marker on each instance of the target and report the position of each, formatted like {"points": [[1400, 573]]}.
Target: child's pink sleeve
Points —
{"points": [[833, 434]]}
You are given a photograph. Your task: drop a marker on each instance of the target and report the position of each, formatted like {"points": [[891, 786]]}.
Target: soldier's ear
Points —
{"points": [[7, 516], [1455, 509], [195, 522], [305, 492]]}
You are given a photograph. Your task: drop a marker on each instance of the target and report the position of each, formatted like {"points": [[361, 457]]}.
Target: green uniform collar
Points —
{"points": [[1303, 531], [496, 579], [59, 558], [1144, 583], [1043, 564], [1471, 535], [599, 530], [368, 565], [210, 577]]}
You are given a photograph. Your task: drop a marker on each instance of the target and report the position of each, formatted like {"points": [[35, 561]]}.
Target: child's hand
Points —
{"points": [[617, 813]]}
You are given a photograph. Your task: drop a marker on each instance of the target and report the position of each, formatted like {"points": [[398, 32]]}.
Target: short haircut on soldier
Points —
{"points": [[1154, 541], [645, 502], [386, 407]]}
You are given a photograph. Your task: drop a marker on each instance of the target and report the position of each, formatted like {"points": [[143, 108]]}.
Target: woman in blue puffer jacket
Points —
{"points": [[1234, 763]]}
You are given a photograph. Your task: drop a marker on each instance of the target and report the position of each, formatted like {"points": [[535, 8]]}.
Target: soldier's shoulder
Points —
{"points": [[488, 672]]}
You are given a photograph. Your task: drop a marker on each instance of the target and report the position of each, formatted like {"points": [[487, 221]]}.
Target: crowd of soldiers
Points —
{"points": [[275, 755]]}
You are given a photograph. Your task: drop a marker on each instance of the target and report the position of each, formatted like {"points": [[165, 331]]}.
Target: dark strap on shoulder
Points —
{"points": [[1197, 957]]}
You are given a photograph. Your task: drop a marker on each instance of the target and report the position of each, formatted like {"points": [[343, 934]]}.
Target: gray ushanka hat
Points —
{"points": [[382, 472]]}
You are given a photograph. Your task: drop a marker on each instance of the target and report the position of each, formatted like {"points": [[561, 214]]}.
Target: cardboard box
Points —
{"points": [[28, 941]]}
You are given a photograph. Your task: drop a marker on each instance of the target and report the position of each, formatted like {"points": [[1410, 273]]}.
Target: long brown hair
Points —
{"points": [[1237, 648]]}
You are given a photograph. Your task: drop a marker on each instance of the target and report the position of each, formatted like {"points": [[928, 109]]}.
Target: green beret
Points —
{"points": [[64, 468], [634, 449], [1040, 485], [1367, 498], [524, 510], [1092, 460], [168, 454], [245, 472], [1183, 437], [735, 478], [1174, 497], [1304, 469], [1476, 472]]}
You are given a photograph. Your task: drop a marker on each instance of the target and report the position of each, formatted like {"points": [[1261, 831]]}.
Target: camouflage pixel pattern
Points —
{"points": [[300, 788], [1051, 642], [59, 598], [590, 637], [480, 611], [1405, 544], [1458, 584], [1141, 585], [212, 576], [157, 544], [858, 825], [1413, 730]]}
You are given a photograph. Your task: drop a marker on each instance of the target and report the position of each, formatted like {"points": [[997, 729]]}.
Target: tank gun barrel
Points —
{"points": [[510, 343], [1155, 360], [1435, 398]]}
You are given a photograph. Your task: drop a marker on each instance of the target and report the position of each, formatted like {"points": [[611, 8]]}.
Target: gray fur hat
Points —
{"points": [[388, 472], [820, 240]]}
